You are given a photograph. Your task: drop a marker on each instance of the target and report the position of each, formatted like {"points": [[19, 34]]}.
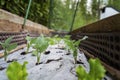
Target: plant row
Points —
{"points": [[40, 44]]}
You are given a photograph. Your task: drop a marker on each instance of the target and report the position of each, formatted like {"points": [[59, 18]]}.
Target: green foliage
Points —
{"points": [[40, 45], [62, 15], [62, 11], [30, 41], [39, 9], [54, 40], [16, 71], [70, 45], [97, 71], [114, 3], [88, 12], [7, 46], [73, 45]]}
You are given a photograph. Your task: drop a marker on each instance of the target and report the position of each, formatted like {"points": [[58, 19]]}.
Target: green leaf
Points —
{"points": [[11, 46], [67, 36], [28, 38], [30, 42], [16, 71], [7, 46], [51, 42], [97, 71], [2, 2], [7, 41], [76, 43], [40, 45], [3, 45], [16, 1], [34, 53], [81, 73], [43, 46]]}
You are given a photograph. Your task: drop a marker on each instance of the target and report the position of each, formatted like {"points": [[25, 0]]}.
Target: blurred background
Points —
{"points": [[60, 15]]}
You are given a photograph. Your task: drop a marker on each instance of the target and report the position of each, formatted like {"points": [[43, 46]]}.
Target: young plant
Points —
{"points": [[73, 45], [7, 46], [30, 41], [97, 71], [16, 71], [54, 40], [41, 44]]}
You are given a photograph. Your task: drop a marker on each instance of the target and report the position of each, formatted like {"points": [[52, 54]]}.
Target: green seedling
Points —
{"points": [[16, 71], [76, 46], [41, 44], [30, 42], [70, 45], [73, 45], [97, 71], [7, 46], [54, 40]]}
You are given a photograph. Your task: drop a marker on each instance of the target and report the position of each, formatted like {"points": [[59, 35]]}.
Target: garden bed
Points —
{"points": [[57, 64]]}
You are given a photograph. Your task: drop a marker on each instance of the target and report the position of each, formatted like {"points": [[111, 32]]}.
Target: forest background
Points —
{"points": [[59, 14]]}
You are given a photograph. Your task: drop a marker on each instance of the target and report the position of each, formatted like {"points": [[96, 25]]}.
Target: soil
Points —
{"points": [[47, 52], [8, 61], [23, 53], [2, 68]]}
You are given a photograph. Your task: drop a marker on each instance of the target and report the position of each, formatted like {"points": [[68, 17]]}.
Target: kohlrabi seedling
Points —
{"points": [[73, 45], [30, 41], [41, 44], [7, 46], [16, 71], [97, 71], [70, 46], [54, 40]]}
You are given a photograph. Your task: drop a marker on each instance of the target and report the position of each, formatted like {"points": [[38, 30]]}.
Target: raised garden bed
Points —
{"points": [[56, 65], [56, 62]]}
